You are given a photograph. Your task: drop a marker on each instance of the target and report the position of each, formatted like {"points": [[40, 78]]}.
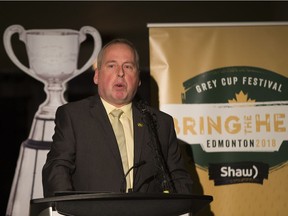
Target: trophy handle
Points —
{"points": [[97, 46], [8, 47]]}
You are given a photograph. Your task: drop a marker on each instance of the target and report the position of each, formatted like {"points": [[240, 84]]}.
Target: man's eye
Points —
{"points": [[128, 67], [111, 66]]}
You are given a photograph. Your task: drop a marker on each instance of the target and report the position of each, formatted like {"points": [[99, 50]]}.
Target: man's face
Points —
{"points": [[118, 77]]}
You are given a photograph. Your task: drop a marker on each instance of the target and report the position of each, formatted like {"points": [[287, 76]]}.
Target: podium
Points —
{"points": [[113, 204]]}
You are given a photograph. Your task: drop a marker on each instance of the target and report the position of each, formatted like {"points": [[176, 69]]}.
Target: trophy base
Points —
{"points": [[40, 145], [27, 181], [41, 132]]}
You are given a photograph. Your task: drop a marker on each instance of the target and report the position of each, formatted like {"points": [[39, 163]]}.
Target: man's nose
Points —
{"points": [[120, 71]]}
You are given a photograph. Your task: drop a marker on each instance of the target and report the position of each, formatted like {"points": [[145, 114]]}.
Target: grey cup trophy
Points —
{"points": [[53, 57]]}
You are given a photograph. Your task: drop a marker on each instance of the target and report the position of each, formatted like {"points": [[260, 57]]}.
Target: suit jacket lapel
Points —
{"points": [[139, 131], [98, 112]]}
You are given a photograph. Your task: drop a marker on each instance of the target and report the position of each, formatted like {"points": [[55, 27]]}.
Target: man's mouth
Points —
{"points": [[119, 85]]}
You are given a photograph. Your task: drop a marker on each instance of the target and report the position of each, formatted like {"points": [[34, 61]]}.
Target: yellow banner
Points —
{"points": [[226, 87]]}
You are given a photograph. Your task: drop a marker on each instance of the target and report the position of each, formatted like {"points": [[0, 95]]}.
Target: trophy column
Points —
{"points": [[53, 57]]}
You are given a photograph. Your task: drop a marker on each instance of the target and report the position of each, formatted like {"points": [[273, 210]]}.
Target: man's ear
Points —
{"points": [[139, 83], [96, 74]]}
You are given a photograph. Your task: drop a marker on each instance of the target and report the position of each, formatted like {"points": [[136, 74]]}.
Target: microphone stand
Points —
{"points": [[165, 179]]}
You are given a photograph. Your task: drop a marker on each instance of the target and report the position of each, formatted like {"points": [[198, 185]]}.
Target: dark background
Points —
{"points": [[21, 94]]}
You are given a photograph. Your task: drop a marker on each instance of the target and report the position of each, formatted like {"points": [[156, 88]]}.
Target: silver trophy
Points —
{"points": [[53, 57]]}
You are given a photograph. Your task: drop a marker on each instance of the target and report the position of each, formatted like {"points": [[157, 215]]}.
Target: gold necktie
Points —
{"points": [[120, 136]]}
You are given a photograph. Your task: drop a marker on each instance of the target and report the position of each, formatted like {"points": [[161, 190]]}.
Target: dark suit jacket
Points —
{"points": [[84, 155]]}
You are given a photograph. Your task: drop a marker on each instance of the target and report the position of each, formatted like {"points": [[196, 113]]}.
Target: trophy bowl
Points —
{"points": [[53, 57]]}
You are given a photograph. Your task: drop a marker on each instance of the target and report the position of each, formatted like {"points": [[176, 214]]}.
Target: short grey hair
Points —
{"points": [[118, 41]]}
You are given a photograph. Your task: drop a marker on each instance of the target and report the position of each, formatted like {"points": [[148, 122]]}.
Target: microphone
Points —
{"points": [[164, 175], [123, 185]]}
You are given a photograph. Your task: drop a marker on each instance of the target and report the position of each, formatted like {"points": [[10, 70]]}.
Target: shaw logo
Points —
{"points": [[228, 171], [241, 172]]}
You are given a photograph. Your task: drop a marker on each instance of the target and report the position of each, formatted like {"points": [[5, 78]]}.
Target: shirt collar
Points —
{"points": [[127, 109]]}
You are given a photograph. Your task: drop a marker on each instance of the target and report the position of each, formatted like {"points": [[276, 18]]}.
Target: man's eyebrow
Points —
{"points": [[110, 61], [114, 61], [129, 62]]}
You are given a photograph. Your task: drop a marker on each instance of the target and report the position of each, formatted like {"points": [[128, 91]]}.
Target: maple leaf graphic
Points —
{"points": [[241, 98]]}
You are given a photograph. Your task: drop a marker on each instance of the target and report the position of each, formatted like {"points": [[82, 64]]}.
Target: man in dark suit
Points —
{"points": [[85, 155]]}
